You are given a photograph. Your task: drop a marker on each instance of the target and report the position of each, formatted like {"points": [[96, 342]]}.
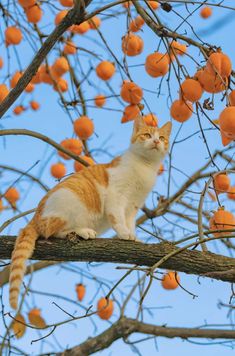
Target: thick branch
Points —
{"points": [[128, 252], [125, 327]]}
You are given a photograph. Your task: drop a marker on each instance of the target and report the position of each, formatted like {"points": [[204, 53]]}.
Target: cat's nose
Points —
{"points": [[156, 142]]}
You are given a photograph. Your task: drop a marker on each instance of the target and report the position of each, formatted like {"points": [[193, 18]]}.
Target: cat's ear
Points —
{"points": [[138, 124], [166, 129]]}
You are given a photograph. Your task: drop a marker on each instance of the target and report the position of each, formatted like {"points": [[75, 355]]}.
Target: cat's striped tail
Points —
{"points": [[23, 250]]}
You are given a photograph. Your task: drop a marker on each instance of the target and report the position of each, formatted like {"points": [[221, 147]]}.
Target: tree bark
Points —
{"points": [[128, 252]]}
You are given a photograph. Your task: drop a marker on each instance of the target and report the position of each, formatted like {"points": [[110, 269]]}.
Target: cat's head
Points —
{"points": [[148, 141]]}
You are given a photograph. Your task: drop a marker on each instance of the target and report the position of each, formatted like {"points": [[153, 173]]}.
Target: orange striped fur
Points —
{"points": [[22, 251]]}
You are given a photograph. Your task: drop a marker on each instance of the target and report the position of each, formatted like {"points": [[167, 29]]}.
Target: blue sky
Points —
{"points": [[174, 308]]}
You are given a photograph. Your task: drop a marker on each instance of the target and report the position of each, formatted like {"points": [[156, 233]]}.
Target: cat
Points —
{"points": [[95, 199]]}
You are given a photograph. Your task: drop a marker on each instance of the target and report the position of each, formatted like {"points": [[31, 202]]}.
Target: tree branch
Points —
{"points": [[127, 252], [25, 174], [126, 326], [163, 32], [24, 132]]}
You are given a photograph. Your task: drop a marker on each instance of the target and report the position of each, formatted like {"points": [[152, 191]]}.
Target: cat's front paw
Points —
{"points": [[126, 236], [86, 233]]}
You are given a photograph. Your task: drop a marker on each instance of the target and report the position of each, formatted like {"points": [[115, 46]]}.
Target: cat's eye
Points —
{"points": [[162, 138], [147, 135]]}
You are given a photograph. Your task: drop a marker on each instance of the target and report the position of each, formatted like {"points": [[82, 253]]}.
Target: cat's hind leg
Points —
{"points": [[54, 226], [50, 226]]}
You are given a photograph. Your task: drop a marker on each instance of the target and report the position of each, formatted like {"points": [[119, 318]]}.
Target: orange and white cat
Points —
{"points": [[96, 199]]}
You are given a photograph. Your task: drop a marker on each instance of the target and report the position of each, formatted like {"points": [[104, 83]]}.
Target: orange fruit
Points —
{"points": [[35, 318], [60, 66], [211, 83], [18, 110], [4, 91], [178, 48], [34, 105], [181, 111], [105, 70], [100, 100], [13, 35], [83, 127], [191, 90], [80, 29], [219, 63], [15, 78], [231, 193], [136, 24], [227, 122], [61, 85], [206, 12], [154, 5], [14, 81], [58, 170], [221, 183], [72, 144], [48, 75], [18, 326], [170, 281], [29, 88], [222, 220], [81, 291], [34, 14], [156, 64], [131, 92], [59, 17], [94, 22], [132, 45], [36, 78], [130, 113], [70, 48], [105, 308], [12, 195]]}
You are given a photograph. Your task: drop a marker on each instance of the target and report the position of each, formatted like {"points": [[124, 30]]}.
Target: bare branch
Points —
{"points": [[126, 326], [24, 132]]}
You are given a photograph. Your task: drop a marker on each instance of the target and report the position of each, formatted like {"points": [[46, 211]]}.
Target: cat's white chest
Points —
{"points": [[132, 180]]}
